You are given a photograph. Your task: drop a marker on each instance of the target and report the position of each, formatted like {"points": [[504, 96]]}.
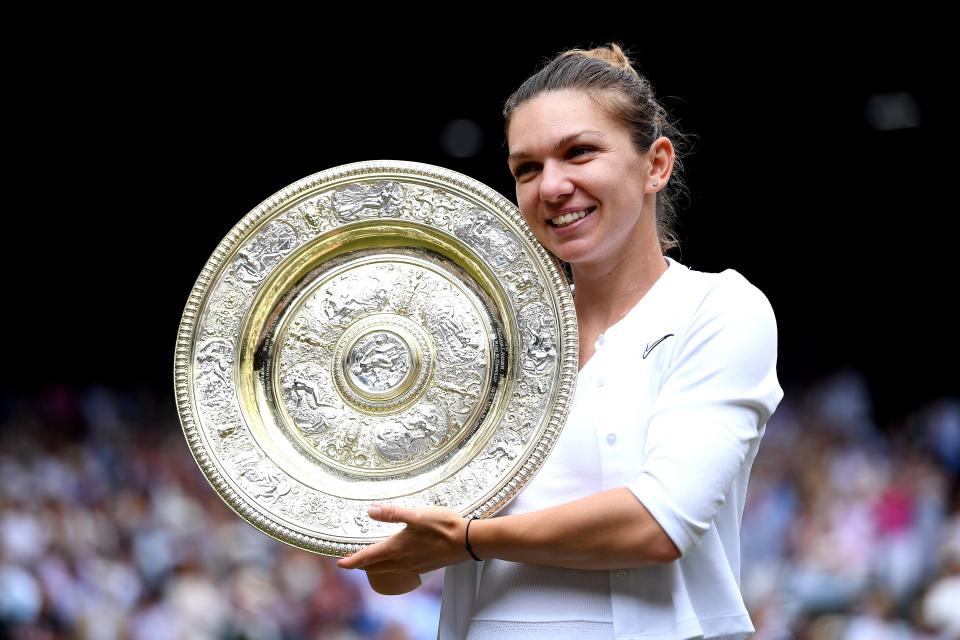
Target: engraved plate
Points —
{"points": [[378, 332]]}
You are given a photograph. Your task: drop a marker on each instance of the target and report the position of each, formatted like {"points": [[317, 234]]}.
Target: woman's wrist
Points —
{"points": [[481, 538], [466, 538]]}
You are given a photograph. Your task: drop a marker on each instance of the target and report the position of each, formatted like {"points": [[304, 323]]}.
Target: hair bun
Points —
{"points": [[613, 54]]}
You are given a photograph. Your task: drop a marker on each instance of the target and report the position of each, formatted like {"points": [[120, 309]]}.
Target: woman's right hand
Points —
{"points": [[394, 583]]}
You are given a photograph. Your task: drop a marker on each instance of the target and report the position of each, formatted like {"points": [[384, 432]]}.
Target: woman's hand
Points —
{"points": [[433, 538], [394, 584]]}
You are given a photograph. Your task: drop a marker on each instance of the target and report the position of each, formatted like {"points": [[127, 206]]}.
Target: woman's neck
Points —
{"points": [[606, 293]]}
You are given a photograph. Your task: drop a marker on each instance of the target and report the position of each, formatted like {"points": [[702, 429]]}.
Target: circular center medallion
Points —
{"points": [[382, 363], [378, 363]]}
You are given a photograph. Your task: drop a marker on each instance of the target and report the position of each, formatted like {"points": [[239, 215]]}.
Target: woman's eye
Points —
{"points": [[522, 169], [572, 152]]}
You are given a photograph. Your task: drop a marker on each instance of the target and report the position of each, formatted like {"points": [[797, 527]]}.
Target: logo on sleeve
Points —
{"points": [[650, 347]]}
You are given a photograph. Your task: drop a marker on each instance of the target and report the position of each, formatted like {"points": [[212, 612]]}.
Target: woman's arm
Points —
{"points": [[607, 530]]}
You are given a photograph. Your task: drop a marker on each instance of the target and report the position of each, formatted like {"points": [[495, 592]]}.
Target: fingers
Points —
{"points": [[392, 513], [373, 553], [353, 562], [378, 558]]}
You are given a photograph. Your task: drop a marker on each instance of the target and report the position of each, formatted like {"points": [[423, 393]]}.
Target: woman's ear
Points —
{"points": [[661, 156]]}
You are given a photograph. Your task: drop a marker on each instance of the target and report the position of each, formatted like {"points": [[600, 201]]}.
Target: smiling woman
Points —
{"points": [[632, 526], [624, 97], [581, 182]]}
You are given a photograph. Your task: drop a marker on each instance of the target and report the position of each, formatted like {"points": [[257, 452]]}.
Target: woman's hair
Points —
{"points": [[607, 76]]}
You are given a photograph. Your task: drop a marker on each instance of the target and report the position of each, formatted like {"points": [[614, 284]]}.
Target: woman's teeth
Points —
{"points": [[567, 218]]}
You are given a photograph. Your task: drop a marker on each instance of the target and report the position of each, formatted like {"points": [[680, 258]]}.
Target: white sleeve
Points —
{"points": [[717, 394]]}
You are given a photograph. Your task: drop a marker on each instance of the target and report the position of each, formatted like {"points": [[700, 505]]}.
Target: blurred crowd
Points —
{"points": [[109, 530], [852, 529]]}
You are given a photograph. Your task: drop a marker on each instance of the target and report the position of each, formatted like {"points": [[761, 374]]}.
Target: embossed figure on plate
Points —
{"points": [[379, 361], [457, 331], [307, 392], [383, 199], [539, 345], [253, 261], [424, 429], [481, 231]]}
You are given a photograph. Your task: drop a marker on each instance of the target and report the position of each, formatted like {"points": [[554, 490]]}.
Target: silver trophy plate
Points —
{"points": [[378, 332]]}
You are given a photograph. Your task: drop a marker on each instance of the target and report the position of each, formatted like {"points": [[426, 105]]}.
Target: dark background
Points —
{"points": [[820, 171]]}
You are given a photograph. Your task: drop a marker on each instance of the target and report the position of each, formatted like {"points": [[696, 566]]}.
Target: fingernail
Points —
{"points": [[374, 512]]}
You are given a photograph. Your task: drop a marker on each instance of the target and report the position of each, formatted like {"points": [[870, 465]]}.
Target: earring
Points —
{"points": [[656, 183]]}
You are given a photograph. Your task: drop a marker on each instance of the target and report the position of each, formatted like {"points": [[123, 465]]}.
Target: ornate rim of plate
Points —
{"points": [[382, 331]]}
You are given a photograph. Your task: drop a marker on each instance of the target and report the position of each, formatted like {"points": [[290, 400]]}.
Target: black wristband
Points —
{"points": [[467, 536]]}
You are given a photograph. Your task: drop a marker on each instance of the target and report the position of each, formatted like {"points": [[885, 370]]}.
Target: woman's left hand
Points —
{"points": [[433, 538]]}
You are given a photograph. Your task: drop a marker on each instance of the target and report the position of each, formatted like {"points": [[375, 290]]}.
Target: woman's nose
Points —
{"points": [[555, 182]]}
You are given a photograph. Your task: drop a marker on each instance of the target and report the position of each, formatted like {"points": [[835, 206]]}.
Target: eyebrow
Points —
{"points": [[561, 143]]}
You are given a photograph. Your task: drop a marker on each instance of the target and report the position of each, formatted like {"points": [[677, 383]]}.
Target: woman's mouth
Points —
{"points": [[569, 218]]}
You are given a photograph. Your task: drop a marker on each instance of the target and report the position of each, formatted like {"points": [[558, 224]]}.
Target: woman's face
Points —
{"points": [[569, 158]]}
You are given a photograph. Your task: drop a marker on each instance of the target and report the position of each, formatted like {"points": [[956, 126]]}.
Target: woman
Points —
{"points": [[631, 528]]}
